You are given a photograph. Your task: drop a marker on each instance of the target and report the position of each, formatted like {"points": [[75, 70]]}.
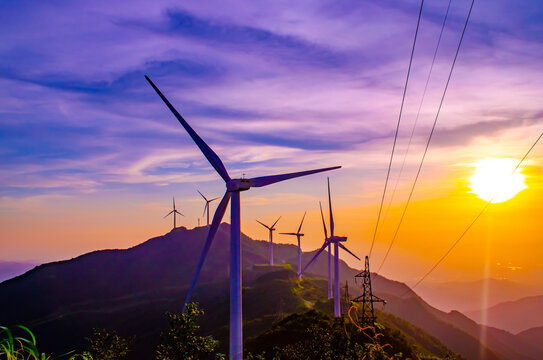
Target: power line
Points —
{"points": [[418, 112], [397, 126], [429, 138], [471, 224]]}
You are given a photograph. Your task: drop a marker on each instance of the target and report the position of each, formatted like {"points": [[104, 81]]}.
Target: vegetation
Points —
{"points": [[317, 335], [107, 345], [20, 348], [181, 341]]}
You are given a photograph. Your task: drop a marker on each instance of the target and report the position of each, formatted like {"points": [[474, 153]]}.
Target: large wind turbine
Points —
{"points": [[271, 229], [337, 241], [233, 188], [174, 212], [298, 236], [207, 205]]}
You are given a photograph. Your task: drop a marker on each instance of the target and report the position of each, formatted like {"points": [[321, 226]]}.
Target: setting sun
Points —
{"points": [[494, 180]]}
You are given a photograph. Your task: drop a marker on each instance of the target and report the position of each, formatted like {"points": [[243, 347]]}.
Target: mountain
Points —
{"points": [[468, 296], [533, 335], [130, 290], [513, 316], [10, 269]]}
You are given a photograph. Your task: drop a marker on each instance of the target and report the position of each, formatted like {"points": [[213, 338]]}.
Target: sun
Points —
{"points": [[494, 179]]}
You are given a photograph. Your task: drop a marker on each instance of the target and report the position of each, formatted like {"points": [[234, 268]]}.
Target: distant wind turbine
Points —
{"points": [[233, 189], [206, 207], [298, 236], [337, 241], [271, 229], [174, 212]]}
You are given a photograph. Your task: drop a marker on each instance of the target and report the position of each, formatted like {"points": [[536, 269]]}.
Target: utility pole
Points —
{"points": [[367, 298]]}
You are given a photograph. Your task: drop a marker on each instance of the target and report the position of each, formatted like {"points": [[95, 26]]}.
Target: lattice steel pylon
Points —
{"points": [[367, 298]]}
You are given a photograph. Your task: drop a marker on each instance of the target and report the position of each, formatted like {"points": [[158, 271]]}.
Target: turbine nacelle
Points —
{"points": [[238, 185], [334, 239]]}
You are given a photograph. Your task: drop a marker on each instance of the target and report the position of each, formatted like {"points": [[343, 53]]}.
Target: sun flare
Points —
{"points": [[494, 180]]}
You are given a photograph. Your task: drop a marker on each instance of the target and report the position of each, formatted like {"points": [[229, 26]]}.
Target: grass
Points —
{"points": [[25, 348]]}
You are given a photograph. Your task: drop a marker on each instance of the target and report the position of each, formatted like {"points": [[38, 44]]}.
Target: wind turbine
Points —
{"points": [[207, 205], [337, 241], [233, 189], [174, 212], [271, 229], [298, 236]]}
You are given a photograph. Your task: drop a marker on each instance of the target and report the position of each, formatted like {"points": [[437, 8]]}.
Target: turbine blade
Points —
{"points": [[177, 212], [326, 242], [168, 214], [210, 155], [173, 198], [275, 222], [330, 206], [202, 195], [266, 226], [303, 217], [268, 180], [212, 199], [323, 223], [289, 234], [217, 218], [205, 208], [349, 251]]}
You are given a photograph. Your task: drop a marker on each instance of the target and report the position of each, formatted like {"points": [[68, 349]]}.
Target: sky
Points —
{"points": [[90, 156]]}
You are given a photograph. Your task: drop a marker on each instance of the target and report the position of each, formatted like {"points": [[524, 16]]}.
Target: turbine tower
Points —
{"points": [[337, 241], [206, 207], [174, 212], [298, 236], [330, 295], [271, 229], [233, 189]]}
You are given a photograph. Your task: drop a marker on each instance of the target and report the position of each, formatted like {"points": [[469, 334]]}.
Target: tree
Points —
{"points": [[107, 345], [180, 342]]}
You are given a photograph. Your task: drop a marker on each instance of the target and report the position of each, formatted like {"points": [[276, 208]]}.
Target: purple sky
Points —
{"points": [[271, 86]]}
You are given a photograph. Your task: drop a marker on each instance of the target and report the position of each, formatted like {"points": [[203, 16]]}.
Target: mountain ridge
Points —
{"points": [[129, 289]]}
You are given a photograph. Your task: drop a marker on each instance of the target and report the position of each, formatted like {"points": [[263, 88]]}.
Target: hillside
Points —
{"points": [[513, 316], [130, 290]]}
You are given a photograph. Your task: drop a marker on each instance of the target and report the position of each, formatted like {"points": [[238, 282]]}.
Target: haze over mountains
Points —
{"points": [[468, 296], [129, 291], [514, 316], [10, 269]]}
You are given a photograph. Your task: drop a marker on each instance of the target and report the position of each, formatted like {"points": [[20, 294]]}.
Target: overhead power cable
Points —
{"points": [[429, 138], [471, 224], [397, 127], [418, 113]]}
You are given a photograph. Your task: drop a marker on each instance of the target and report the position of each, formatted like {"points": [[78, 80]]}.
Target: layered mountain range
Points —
{"points": [[129, 290]]}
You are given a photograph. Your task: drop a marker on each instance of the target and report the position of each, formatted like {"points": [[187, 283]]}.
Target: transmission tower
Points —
{"points": [[367, 298]]}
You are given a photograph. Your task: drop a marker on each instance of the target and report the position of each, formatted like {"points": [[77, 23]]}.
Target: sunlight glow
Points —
{"points": [[494, 178]]}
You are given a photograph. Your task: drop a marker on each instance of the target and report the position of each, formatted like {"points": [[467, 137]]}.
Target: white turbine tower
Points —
{"points": [[330, 292], [174, 212], [337, 241], [233, 189], [271, 229], [298, 236], [206, 207]]}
